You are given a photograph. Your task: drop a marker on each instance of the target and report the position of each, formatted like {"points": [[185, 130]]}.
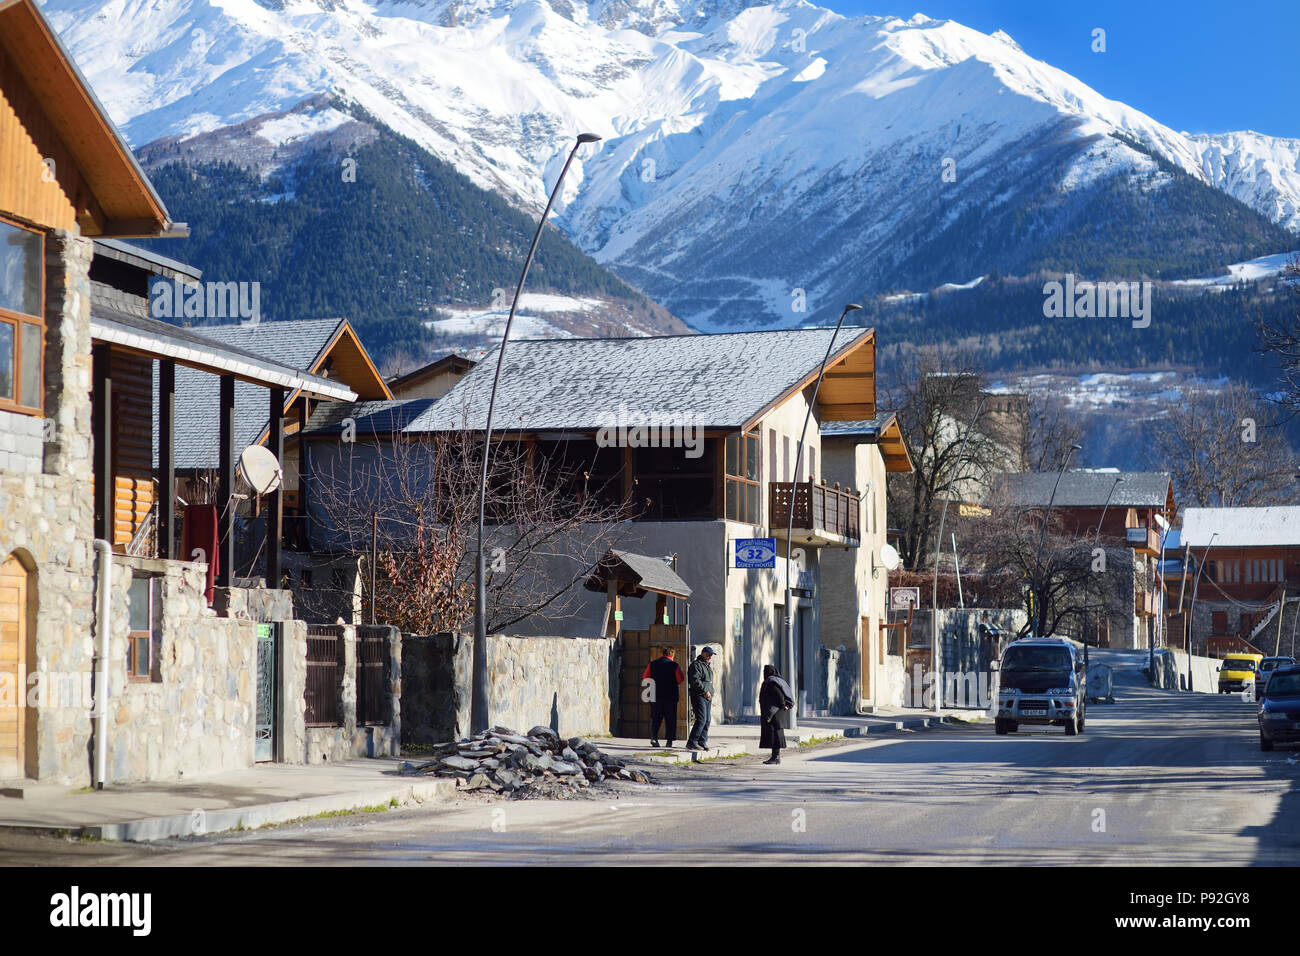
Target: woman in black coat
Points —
{"points": [[774, 701]]}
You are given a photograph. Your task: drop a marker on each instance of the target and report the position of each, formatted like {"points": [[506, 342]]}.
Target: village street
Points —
{"points": [[1157, 778]]}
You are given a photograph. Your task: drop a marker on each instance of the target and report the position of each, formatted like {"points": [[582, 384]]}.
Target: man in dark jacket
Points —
{"points": [[666, 674], [700, 677]]}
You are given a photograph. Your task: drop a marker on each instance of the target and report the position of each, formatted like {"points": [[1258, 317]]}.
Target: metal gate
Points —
{"points": [[264, 725]]}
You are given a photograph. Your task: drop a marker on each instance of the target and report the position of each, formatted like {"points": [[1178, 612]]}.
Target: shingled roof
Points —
{"points": [[1090, 489], [725, 381], [1275, 526], [293, 343]]}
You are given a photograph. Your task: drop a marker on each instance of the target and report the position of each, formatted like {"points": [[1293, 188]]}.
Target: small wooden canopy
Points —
{"points": [[636, 575]]}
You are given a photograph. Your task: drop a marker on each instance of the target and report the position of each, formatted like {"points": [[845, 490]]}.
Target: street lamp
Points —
{"points": [[1191, 614], [1042, 537], [1118, 479], [479, 696], [935, 650], [789, 527]]}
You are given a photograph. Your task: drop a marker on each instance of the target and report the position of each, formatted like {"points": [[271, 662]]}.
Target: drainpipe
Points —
{"points": [[103, 625]]}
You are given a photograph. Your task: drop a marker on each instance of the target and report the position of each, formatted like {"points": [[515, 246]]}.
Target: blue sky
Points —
{"points": [[1196, 66]]}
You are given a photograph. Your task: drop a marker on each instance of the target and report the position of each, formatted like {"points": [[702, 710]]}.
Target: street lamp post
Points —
{"points": [[936, 653], [479, 695], [789, 527], [1042, 537], [1191, 614], [1115, 485]]}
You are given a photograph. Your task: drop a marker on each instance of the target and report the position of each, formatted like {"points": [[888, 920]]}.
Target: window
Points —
{"points": [[145, 636], [743, 488], [22, 329]]}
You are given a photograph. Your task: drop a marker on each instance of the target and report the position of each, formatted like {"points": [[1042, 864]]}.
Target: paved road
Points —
{"points": [[1158, 778]]}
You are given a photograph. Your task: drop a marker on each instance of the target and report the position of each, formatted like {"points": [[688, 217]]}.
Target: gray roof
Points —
{"points": [[866, 430], [646, 574], [1242, 527], [718, 381], [145, 259], [123, 319], [297, 343], [1089, 489]]}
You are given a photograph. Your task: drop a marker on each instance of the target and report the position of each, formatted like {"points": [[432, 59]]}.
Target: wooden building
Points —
{"points": [[697, 437]]}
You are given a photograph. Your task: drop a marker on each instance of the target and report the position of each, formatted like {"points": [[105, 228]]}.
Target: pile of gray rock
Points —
{"points": [[503, 761]]}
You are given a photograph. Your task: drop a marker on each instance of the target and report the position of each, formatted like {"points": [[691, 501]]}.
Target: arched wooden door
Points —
{"points": [[13, 667]]}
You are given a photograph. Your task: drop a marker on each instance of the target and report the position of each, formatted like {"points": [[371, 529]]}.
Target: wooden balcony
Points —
{"points": [[824, 516], [1145, 604], [1144, 541]]}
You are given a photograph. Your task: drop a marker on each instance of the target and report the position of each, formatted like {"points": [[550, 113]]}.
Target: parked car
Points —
{"points": [[1279, 707], [1043, 681], [1266, 668], [1237, 671]]}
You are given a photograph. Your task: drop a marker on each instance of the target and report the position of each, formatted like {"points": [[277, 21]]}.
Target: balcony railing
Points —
{"points": [[822, 514], [1144, 540]]}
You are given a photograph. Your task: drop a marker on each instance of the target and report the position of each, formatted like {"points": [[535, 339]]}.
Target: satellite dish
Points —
{"points": [[260, 469], [889, 557]]}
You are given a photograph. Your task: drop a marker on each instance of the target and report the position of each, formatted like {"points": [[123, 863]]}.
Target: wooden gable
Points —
{"points": [[64, 163]]}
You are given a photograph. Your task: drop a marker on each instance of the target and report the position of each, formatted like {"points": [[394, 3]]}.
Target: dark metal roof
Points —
{"points": [[145, 259], [1089, 489], [713, 381]]}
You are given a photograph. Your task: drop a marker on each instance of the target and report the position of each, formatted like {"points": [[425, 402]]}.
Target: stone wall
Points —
{"points": [[558, 682], [195, 715], [46, 515], [21, 443]]}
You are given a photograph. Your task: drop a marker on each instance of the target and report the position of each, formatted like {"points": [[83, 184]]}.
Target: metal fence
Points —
{"points": [[372, 675], [324, 667]]}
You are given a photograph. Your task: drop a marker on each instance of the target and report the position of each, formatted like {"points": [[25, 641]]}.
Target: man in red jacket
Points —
{"points": [[666, 674]]}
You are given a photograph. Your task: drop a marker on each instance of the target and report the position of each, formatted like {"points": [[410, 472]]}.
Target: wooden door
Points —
{"points": [[639, 649], [13, 669]]}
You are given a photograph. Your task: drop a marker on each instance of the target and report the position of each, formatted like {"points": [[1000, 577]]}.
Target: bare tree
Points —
{"points": [[1222, 450], [1052, 429], [1074, 580], [414, 501], [1280, 336], [936, 395]]}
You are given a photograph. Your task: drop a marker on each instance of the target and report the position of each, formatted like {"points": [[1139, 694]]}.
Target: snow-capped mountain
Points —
{"points": [[761, 163], [1261, 171]]}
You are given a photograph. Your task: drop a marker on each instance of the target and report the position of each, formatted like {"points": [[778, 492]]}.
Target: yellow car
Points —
{"points": [[1238, 670]]}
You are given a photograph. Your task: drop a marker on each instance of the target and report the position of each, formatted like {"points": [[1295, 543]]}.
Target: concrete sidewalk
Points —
{"points": [[240, 799], [733, 740]]}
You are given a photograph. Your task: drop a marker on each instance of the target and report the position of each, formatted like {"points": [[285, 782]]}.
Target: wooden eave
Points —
{"points": [[848, 390], [118, 199]]}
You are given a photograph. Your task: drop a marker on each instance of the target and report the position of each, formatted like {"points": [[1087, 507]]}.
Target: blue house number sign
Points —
{"points": [[756, 552]]}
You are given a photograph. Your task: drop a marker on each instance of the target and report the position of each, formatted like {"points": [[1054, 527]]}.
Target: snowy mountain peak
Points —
{"points": [[734, 130]]}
